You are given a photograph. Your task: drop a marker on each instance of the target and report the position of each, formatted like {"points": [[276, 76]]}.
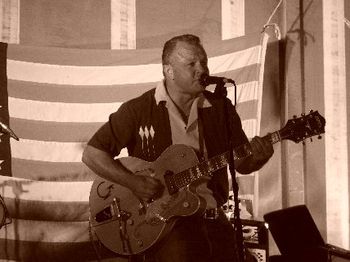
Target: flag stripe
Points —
{"points": [[44, 191], [113, 75], [61, 112], [54, 131], [47, 210], [101, 94], [38, 170], [82, 57], [46, 231], [48, 151], [77, 94], [13, 250], [74, 112]]}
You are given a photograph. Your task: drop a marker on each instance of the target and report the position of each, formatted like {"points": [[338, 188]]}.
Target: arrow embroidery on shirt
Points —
{"points": [[142, 135], [147, 135], [152, 133]]}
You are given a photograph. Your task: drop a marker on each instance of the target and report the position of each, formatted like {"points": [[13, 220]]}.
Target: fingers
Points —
{"points": [[261, 149], [147, 187]]}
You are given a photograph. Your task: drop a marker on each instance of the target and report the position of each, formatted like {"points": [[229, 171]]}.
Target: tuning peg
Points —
{"points": [[303, 114], [311, 111], [294, 116], [311, 139], [319, 137]]}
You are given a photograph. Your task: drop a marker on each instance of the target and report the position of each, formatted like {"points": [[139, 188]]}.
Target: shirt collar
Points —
{"points": [[162, 95]]}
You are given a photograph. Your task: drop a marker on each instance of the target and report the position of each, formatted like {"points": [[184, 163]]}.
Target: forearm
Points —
{"points": [[248, 165], [105, 166]]}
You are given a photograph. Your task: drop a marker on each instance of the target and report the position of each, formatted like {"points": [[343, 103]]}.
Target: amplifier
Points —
{"points": [[255, 239]]}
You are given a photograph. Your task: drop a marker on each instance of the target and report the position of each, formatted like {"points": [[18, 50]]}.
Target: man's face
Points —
{"points": [[188, 63]]}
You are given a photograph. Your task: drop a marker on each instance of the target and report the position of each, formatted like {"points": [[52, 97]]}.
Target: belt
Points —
{"points": [[212, 213]]}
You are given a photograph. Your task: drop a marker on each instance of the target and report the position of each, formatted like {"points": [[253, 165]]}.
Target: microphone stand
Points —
{"points": [[221, 92]]}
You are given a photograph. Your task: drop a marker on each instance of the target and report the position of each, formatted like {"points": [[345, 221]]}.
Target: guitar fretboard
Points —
{"points": [[206, 168]]}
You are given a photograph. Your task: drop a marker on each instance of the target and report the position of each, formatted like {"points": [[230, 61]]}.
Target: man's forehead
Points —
{"points": [[185, 50]]}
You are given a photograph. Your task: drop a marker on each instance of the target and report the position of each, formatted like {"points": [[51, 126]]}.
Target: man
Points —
{"points": [[179, 111]]}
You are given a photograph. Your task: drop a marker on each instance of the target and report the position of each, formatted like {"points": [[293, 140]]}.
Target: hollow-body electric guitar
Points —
{"points": [[127, 225]]}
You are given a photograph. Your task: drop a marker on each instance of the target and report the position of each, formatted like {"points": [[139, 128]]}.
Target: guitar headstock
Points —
{"points": [[300, 128]]}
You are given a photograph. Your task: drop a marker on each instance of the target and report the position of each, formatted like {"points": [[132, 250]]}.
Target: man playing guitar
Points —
{"points": [[178, 111]]}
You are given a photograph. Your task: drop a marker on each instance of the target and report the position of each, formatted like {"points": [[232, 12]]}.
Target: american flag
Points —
{"points": [[57, 98]]}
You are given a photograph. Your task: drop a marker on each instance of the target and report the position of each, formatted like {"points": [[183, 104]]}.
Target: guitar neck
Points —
{"points": [[206, 168]]}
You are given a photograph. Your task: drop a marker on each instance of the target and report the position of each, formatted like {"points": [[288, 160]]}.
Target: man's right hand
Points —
{"points": [[146, 187]]}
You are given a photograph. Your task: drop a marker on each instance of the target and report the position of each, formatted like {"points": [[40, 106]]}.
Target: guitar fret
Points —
{"points": [[274, 137]]}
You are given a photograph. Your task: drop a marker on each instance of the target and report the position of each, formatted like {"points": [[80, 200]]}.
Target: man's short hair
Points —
{"points": [[170, 45]]}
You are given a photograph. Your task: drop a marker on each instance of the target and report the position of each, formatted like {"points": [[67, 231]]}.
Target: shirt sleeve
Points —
{"points": [[115, 134]]}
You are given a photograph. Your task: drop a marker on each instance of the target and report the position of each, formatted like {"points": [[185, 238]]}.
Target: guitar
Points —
{"points": [[127, 225]]}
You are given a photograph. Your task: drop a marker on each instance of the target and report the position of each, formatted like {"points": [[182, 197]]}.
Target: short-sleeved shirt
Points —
{"points": [[143, 126]]}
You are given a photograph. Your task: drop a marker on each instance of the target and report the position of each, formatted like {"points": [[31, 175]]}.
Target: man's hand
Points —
{"points": [[262, 150], [146, 187]]}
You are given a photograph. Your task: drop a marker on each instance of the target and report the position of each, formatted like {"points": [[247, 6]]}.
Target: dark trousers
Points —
{"points": [[196, 239]]}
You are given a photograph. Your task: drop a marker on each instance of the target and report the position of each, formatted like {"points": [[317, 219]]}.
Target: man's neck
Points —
{"points": [[183, 101]]}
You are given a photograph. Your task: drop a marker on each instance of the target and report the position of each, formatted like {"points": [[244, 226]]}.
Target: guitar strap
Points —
{"points": [[203, 154]]}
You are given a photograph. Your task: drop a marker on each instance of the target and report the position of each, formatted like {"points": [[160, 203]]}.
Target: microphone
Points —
{"points": [[206, 80], [6, 130]]}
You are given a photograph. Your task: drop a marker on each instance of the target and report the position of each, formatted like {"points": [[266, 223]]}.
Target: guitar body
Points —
{"points": [[127, 225]]}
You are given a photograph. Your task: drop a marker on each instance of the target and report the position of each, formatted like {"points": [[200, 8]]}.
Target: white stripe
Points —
{"points": [[47, 151], [9, 21], [60, 112], [336, 135], [46, 231], [249, 127], [50, 151], [232, 18], [83, 75], [234, 61], [117, 75], [123, 32], [115, 24], [245, 92], [26, 189]]}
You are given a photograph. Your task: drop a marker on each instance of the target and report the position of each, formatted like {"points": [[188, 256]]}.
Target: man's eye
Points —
{"points": [[191, 64]]}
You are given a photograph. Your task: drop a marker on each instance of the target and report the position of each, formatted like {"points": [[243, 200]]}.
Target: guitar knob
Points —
{"points": [[130, 222], [139, 243], [186, 204]]}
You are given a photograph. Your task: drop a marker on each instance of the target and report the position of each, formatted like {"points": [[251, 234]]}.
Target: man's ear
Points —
{"points": [[168, 71]]}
